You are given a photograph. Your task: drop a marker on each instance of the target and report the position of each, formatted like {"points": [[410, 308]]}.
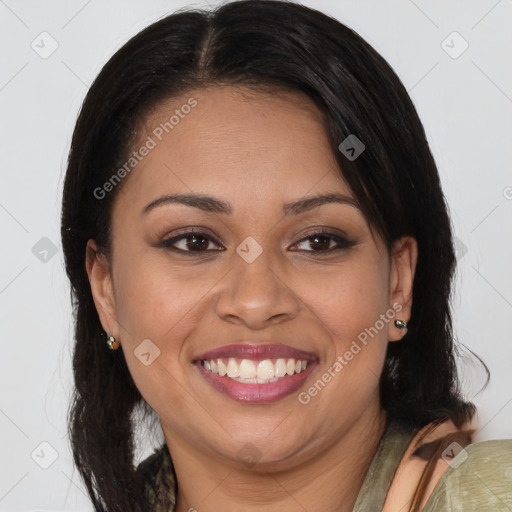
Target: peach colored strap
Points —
{"points": [[411, 467], [375, 486]]}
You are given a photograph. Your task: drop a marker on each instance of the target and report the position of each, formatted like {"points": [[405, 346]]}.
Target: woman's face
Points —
{"points": [[254, 289]]}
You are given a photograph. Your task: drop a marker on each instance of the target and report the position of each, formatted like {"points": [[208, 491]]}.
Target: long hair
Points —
{"points": [[267, 45]]}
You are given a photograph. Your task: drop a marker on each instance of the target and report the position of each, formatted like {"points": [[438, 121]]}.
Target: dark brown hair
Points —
{"points": [[260, 44]]}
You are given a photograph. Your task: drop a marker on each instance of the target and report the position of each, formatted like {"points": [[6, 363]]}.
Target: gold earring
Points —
{"points": [[112, 344]]}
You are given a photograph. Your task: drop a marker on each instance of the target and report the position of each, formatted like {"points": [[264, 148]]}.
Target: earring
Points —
{"points": [[112, 344], [401, 324]]}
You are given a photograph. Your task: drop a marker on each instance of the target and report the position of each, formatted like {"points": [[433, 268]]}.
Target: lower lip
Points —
{"points": [[257, 393]]}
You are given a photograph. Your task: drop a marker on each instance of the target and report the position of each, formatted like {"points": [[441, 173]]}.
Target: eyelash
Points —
{"points": [[168, 244]]}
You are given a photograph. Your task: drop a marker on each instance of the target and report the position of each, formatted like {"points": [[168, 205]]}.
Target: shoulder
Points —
{"points": [[477, 478], [158, 472], [432, 463], [151, 464]]}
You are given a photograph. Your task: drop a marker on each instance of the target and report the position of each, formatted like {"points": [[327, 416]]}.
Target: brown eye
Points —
{"points": [[190, 242], [324, 242], [196, 242], [320, 242]]}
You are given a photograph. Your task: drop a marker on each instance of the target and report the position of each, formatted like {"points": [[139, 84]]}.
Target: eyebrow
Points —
{"points": [[213, 205]]}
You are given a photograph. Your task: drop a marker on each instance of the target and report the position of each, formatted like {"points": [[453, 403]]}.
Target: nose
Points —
{"points": [[255, 294]]}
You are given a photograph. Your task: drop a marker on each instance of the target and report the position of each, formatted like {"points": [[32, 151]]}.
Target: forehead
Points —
{"points": [[235, 143]]}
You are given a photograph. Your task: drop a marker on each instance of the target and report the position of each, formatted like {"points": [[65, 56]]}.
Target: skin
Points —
{"points": [[256, 151]]}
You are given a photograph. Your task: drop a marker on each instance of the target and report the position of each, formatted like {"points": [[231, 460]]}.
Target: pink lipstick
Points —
{"points": [[256, 373]]}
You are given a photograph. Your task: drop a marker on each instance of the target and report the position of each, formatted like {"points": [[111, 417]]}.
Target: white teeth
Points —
{"points": [[280, 368], [256, 380], [221, 367], [253, 372], [265, 369], [248, 369], [233, 369]]}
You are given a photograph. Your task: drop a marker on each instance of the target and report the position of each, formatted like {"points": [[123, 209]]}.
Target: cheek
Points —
{"points": [[349, 300], [156, 311], [162, 304], [154, 300], [348, 305]]}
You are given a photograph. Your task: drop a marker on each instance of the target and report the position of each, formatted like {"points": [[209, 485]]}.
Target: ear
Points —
{"points": [[404, 256], [100, 279]]}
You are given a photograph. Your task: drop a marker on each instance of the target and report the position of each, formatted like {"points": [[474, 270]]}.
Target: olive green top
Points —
{"points": [[478, 479], [481, 482], [392, 446]]}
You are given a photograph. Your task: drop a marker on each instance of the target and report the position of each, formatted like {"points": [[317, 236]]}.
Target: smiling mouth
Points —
{"points": [[255, 373], [248, 371]]}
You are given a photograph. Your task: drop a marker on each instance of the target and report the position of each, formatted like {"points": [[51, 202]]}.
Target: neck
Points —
{"points": [[330, 480]]}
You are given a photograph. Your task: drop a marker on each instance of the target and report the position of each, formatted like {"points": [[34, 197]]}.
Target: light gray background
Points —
{"points": [[465, 104]]}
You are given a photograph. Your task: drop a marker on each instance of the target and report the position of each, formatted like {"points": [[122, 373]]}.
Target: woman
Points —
{"points": [[253, 219]]}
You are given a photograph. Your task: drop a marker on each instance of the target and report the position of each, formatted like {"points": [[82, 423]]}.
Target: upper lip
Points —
{"points": [[256, 350]]}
